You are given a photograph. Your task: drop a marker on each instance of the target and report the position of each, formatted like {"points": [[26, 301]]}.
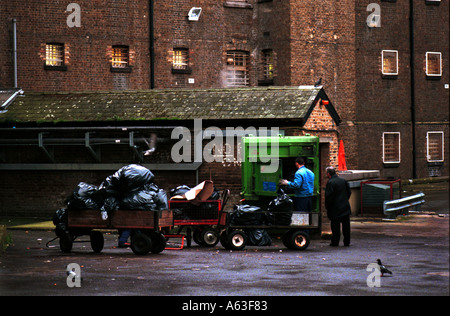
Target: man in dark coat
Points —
{"points": [[337, 193]]}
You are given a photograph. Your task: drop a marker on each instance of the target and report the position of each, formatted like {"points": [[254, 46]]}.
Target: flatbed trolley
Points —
{"points": [[146, 229], [295, 236], [199, 218]]}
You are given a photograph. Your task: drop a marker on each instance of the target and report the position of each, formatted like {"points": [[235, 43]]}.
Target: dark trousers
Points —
{"points": [[336, 230], [302, 204]]}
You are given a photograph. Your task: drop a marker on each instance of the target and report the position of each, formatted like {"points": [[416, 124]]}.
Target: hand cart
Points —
{"points": [[294, 236], [146, 229], [200, 219]]}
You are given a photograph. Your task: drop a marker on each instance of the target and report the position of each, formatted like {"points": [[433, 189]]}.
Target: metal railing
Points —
{"points": [[392, 208]]}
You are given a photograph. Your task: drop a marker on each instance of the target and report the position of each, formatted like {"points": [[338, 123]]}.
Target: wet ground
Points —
{"points": [[415, 249]]}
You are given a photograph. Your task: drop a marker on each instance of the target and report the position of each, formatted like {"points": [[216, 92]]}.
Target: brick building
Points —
{"points": [[389, 88]]}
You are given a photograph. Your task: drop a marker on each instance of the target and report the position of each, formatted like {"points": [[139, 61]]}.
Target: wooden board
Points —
{"points": [[126, 219], [87, 218]]}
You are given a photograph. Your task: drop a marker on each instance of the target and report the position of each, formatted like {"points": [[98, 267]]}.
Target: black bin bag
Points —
{"points": [[281, 209], [258, 237], [247, 215], [127, 179], [84, 196]]}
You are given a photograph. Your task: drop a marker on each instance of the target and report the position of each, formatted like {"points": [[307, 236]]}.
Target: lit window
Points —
{"points": [[391, 147], [389, 62], [268, 64], [120, 57], [435, 146], [237, 69], [433, 64], [54, 55], [180, 58]]}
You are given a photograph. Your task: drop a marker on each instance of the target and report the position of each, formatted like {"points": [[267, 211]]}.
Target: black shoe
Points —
{"points": [[333, 245]]}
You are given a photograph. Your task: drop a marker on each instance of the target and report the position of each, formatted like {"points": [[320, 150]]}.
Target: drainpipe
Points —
{"points": [[413, 105], [14, 51], [152, 44]]}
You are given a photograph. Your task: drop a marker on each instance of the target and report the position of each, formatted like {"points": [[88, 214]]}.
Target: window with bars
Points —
{"points": [[389, 59], [180, 61], [237, 69], [267, 56], [54, 56], [433, 64], [120, 56], [391, 147], [435, 146]]}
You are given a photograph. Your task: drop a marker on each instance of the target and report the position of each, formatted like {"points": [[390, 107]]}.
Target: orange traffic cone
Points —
{"points": [[341, 157]]}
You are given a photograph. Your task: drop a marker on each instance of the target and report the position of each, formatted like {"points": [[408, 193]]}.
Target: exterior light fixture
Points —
{"points": [[194, 14]]}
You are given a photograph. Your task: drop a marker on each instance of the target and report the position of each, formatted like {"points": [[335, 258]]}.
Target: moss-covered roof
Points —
{"points": [[212, 104]]}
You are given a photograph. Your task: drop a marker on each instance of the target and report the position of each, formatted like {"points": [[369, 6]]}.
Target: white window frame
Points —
{"points": [[382, 62], [399, 148], [440, 64], [428, 146]]}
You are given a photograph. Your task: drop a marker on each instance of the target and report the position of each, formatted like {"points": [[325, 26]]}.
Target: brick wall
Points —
{"points": [[87, 48]]}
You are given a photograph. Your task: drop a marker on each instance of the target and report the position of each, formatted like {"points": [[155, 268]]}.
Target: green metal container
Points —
{"points": [[266, 160]]}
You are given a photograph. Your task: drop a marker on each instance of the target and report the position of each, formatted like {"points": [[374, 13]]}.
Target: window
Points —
{"points": [[268, 64], [391, 147], [180, 60], [237, 4], [54, 56], [435, 146], [120, 59], [237, 69], [389, 62], [433, 64]]}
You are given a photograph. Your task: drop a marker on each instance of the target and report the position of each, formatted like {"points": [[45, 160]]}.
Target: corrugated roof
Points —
{"points": [[213, 104]]}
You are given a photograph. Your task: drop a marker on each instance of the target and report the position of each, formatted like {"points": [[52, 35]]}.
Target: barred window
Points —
{"points": [[120, 57], [54, 54], [435, 146], [237, 69], [268, 64], [391, 147], [180, 58], [433, 64], [389, 62]]}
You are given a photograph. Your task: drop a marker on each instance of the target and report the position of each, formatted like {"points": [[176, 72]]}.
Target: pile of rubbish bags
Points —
{"points": [[279, 212], [129, 188], [193, 202]]}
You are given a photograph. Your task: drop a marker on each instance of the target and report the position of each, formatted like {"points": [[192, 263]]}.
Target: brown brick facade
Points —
{"points": [[308, 40]]}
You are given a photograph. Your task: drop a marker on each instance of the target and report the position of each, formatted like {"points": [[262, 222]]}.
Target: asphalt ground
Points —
{"points": [[415, 248]]}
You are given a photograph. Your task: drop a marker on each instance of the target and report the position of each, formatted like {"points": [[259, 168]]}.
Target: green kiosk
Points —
{"points": [[266, 160]]}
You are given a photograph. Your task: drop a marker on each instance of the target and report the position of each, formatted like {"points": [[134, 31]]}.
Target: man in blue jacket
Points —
{"points": [[303, 186]]}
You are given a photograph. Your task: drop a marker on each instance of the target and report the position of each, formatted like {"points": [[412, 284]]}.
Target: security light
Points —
{"points": [[194, 14]]}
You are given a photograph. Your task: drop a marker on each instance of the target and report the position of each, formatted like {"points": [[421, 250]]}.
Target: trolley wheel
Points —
{"points": [[196, 236], [158, 242], [66, 242], [224, 241], [286, 238], [141, 244], [299, 240], [209, 237], [237, 240], [97, 241]]}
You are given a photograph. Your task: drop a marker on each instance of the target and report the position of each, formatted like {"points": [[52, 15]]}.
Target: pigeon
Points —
{"points": [[383, 269], [318, 82]]}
